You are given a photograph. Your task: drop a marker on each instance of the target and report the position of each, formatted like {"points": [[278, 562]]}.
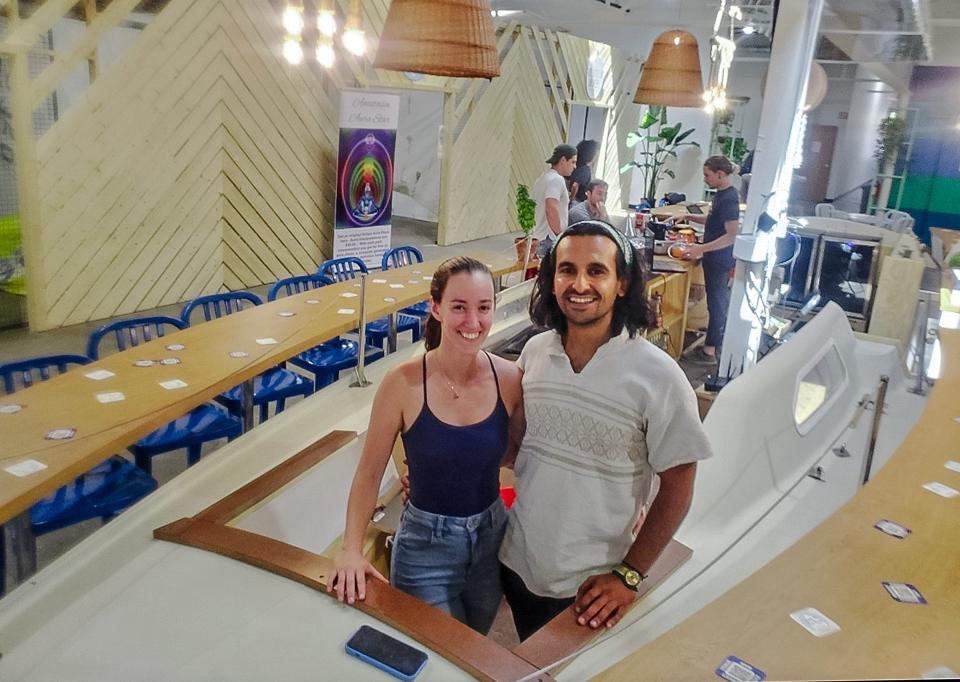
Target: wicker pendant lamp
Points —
{"points": [[439, 37], [671, 76]]}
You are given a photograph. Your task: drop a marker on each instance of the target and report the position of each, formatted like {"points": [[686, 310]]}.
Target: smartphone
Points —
{"points": [[383, 651], [695, 209]]}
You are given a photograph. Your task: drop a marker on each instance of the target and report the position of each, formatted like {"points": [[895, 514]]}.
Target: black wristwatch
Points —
{"points": [[629, 576]]}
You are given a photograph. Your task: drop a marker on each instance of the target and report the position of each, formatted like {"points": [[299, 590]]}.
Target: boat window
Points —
{"points": [[819, 384]]}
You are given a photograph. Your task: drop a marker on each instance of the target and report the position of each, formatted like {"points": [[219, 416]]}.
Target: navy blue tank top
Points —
{"points": [[455, 470]]}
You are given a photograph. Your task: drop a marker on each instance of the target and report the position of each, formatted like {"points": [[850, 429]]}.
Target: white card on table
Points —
{"points": [[346, 311], [953, 466], [111, 397], [348, 294], [25, 468], [144, 363], [396, 286], [379, 281], [175, 346], [286, 313], [99, 374], [389, 299], [941, 489], [814, 622], [269, 341], [10, 408], [173, 384], [313, 301], [239, 354]]}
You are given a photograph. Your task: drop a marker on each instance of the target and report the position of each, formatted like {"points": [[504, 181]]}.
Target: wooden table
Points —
{"points": [[69, 400], [838, 569], [674, 289]]}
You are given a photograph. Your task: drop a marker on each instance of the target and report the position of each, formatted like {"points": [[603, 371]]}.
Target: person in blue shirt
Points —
{"points": [[721, 226]]}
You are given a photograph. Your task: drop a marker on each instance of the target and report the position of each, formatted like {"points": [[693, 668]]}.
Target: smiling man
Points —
{"points": [[605, 411]]}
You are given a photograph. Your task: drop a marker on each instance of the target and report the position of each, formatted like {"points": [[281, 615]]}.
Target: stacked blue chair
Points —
{"points": [[105, 490], [327, 360], [274, 385], [200, 425], [399, 257], [351, 267]]}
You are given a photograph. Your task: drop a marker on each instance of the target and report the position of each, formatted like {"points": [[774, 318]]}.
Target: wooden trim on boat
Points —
{"points": [[475, 653]]}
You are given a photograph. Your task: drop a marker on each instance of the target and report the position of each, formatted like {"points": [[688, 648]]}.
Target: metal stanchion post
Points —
{"points": [[23, 546], [362, 353], [921, 348], [392, 332], [875, 427], [246, 404]]}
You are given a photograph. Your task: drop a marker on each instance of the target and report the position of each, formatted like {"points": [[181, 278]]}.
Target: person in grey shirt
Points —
{"points": [[592, 208]]}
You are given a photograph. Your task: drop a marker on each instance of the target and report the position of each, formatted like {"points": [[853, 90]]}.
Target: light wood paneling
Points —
{"points": [[202, 161]]}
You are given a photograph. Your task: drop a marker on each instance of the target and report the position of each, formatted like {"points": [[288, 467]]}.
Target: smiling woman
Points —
{"points": [[454, 408]]}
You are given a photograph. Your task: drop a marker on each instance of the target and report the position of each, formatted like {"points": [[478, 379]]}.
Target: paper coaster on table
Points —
{"points": [[379, 281], [952, 465], [239, 354], [99, 374], [892, 529], [814, 622], [396, 286], [941, 489], [904, 592], [286, 313], [735, 669], [144, 363], [174, 346], [427, 278], [346, 311], [389, 299], [348, 294], [170, 361], [313, 301], [268, 341], [10, 408], [111, 397], [412, 281], [60, 434], [418, 272], [25, 468], [173, 384]]}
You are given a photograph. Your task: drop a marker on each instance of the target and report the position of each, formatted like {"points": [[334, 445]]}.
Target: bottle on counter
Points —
{"points": [[656, 309]]}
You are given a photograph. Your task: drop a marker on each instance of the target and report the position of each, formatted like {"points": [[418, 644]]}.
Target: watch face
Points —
{"points": [[632, 578]]}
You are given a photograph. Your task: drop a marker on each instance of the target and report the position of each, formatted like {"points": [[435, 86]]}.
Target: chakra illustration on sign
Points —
{"points": [[366, 182]]}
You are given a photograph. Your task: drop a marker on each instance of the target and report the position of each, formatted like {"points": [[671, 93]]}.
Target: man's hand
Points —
{"points": [[602, 600], [405, 487]]}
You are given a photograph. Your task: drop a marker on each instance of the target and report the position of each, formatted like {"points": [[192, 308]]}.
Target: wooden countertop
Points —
{"points": [[69, 400], [838, 569]]}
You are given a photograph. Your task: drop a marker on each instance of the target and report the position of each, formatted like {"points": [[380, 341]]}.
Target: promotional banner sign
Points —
{"points": [[364, 203]]}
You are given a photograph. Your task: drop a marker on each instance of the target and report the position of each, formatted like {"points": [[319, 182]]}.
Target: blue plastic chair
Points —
{"points": [[350, 267], [105, 490], [200, 425], [399, 257], [276, 384], [327, 360]]}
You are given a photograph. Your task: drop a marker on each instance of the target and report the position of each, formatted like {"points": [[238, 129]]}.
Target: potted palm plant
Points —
{"points": [[526, 217], [659, 142]]}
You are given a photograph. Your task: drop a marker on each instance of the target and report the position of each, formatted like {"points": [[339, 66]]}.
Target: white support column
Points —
{"points": [[794, 46]]}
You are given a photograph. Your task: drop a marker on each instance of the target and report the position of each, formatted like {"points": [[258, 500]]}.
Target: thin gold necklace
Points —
{"points": [[446, 378]]}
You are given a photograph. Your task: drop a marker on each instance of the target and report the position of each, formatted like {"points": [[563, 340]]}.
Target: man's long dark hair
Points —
{"points": [[630, 311]]}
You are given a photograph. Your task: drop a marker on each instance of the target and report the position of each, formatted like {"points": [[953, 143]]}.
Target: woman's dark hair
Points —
{"points": [[586, 151], [720, 163], [630, 311], [448, 268]]}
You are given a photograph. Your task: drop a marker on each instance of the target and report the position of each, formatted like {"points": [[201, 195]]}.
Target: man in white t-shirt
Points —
{"points": [[605, 410], [551, 197]]}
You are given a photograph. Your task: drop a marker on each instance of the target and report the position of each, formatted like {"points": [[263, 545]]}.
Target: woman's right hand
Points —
{"points": [[349, 577]]}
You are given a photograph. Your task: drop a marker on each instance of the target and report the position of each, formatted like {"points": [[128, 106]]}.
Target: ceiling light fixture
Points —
{"points": [[353, 37], [722, 50], [671, 75]]}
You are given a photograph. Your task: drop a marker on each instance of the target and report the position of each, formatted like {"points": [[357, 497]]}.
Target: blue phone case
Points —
{"points": [[377, 663]]}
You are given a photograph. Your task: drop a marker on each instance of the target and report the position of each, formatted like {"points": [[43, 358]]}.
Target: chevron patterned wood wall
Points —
{"points": [[202, 161]]}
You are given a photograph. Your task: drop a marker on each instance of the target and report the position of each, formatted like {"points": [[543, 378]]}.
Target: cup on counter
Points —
{"points": [[687, 235], [676, 250]]}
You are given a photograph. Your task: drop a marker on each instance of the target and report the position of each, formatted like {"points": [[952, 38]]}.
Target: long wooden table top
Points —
{"points": [[838, 568], [69, 401]]}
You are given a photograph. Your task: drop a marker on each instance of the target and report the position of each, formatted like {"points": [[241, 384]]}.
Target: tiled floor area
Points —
{"points": [[21, 343]]}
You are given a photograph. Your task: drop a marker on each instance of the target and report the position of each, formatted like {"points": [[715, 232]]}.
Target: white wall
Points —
{"points": [[416, 179], [853, 158]]}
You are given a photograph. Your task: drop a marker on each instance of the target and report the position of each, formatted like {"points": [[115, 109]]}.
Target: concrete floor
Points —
{"points": [[21, 343]]}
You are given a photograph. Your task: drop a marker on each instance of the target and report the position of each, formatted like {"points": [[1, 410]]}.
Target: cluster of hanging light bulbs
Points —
{"points": [[352, 38], [722, 50]]}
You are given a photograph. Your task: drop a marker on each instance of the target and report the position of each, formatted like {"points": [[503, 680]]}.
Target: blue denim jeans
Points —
{"points": [[451, 562], [716, 276]]}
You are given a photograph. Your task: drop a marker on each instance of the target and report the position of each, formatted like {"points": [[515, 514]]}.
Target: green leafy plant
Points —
{"points": [[526, 208], [734, 148], [659, 142], [890, 136]]}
